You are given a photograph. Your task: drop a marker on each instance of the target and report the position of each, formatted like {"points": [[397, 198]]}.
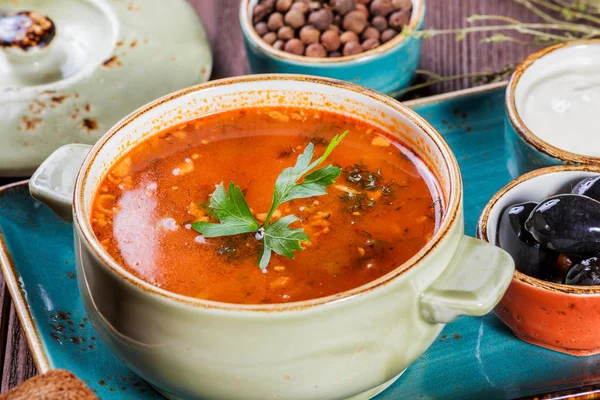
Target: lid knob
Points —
{"points": [[26, 29]]}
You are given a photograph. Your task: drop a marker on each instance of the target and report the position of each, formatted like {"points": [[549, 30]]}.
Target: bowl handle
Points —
{"points": [[472, 284], [53, 182]]}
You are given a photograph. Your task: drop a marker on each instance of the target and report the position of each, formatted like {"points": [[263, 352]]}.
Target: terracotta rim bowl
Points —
{"points": [[559, 317]]}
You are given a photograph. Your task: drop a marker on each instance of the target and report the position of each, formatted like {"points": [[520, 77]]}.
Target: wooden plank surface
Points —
{"points": [[441, 54]]}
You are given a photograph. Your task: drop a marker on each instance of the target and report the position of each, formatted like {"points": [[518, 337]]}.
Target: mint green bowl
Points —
{"points": [[387, 68]]}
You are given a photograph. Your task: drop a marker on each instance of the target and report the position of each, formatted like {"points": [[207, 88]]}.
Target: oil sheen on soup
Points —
{"points": [[380, 211]]}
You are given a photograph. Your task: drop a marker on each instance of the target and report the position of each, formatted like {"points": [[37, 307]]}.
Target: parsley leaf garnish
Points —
{"points": [[231, 210], [235, 217]]}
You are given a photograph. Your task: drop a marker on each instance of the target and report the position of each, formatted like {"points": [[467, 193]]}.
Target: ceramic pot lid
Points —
{"points": [[70, 69]]}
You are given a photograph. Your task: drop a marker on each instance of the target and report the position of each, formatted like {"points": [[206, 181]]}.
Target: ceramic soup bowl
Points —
{"points": [[387, 68], [551, 105], [559, 317], [349, 345]]}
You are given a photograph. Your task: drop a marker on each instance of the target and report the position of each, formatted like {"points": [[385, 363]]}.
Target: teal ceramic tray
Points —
{"points": [[474, 358]]}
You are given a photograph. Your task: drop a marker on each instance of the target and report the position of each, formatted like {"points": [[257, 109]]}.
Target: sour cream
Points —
{"points": [[558, 99]]}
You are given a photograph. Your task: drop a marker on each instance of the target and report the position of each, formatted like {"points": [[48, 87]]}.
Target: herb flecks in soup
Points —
{"points": [[235, 217], [380, 211]]}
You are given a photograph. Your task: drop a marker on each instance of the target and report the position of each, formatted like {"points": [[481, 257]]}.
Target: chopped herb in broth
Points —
{"points": [[380, 211]]}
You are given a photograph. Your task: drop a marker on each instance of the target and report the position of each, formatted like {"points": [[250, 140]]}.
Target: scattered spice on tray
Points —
{"points": [[329, 28]]}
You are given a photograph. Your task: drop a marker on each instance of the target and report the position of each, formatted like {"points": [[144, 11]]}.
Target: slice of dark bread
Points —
{"points": [[53, 385]]}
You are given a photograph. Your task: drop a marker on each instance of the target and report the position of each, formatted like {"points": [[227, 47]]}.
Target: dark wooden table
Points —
{"points": [[442, 54]]}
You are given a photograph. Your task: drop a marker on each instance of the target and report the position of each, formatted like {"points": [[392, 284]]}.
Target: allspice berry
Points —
{"points": [[355, 22], [309, 34], [352, 48], [270, 4], [314, 5], [315, 50], [388, 35], [348, 36], [285, 33], [294, 46], [331, 40], [363, 10], [329, 28], [399, 19], [370, 44], [343, 7], [380, 23], [294, 18], [259, 12], [321, 19], [261, 28], [381, 7], [300, 6], [270, 37], [283, 5], [402, 4], [370, 33], [275, 21]]}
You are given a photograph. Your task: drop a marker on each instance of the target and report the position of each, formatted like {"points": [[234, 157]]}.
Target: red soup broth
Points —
{"points": [[381, 211]]}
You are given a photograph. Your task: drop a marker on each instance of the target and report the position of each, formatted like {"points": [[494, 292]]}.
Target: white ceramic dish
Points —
{"points": [[552, 101], [349, 345]]}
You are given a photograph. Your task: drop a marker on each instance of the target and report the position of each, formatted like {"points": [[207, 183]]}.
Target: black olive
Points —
{"points": [[567, 223], [589, 187], [585, 273], [530, 257]]}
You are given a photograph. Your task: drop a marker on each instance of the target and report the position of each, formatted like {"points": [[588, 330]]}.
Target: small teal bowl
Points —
{"points": [[525, 150], [387, 68]]}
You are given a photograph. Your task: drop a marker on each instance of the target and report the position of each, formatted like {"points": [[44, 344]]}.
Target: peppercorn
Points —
{"points": [[320, 19], [352, 48], [294, 46], [399, 19], [283, 5], [294, 18], [275, 21], [278, 45], [355, 21], [388, 35], [270, 37], [309, 34], [331, 40], [315, 50], [285, 33]]}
